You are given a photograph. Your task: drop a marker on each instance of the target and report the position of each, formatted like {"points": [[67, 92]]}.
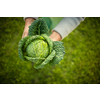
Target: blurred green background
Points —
{"points": [[81, 63]]}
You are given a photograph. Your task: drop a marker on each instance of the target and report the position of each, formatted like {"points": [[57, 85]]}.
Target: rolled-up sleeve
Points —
{"points": [[67, 25]]}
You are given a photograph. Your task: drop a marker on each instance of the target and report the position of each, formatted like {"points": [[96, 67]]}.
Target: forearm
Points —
{"points": [[28, 22], [67, 25]]}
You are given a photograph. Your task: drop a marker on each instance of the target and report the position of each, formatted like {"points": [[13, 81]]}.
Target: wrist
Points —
{"points": [[28, 21], [55, 36]]}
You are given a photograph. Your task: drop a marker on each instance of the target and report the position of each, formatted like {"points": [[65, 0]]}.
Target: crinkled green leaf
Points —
{"points": [[36, 60], [49, 41], [31, 39], [38, 27], [20, 47], [38, 48], [46, 61], [59, 49]]}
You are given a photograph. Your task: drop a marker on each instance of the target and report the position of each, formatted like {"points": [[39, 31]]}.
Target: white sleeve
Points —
{"points": [[67, 25], [31, 17]]}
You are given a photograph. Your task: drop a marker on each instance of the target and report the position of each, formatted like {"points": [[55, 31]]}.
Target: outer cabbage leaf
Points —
{"points": [[59, 49], [38, 27], [36, 60], [46, 61], [21, 45]]}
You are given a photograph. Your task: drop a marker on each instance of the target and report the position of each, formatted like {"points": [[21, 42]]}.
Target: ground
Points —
{"points": [[81, 63]]}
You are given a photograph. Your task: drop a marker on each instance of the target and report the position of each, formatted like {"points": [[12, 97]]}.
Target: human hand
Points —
{"points": [[55, 36], [28, 22]]}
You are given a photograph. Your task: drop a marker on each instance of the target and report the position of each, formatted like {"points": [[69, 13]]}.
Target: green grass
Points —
{"points": [[81, 63]]}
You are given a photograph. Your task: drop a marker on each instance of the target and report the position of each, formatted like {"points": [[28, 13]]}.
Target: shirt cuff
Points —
{"points": [[67, 25]]}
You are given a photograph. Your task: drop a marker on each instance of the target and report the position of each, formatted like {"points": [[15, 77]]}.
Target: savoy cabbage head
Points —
{"points": [[37, 47]]}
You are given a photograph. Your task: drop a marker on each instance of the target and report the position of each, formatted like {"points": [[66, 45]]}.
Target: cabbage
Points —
{"points": [[37, 47]]}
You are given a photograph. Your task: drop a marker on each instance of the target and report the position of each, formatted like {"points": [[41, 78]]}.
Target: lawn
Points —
{"points": [[81, 63]]}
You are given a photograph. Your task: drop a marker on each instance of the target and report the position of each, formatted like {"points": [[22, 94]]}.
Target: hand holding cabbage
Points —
{"points": [[37, 47]]}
